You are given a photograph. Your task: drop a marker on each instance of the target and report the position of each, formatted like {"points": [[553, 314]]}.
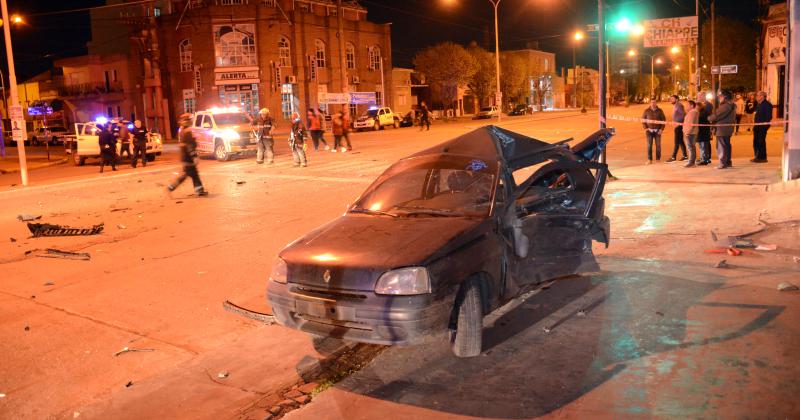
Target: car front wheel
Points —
{"points": [[466, 340], [220, 153]]}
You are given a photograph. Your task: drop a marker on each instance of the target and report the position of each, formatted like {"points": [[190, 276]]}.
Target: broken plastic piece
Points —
{"points": [[222, 375], [55, 253], [734, 252], [766, 247], [722, 264], [130, 350], [258, 316], [787, 287], [121, 227], [46, 229], [28, 217]]}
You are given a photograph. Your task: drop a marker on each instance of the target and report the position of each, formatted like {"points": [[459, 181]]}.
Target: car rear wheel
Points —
{"points": [[219, 152], [466, 340]]}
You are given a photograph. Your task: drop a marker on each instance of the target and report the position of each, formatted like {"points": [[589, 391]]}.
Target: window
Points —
{"points": [[353, 109], [114, 75], [350, 55], [319, 56], [230, 2], [185, 54], [304, 7], [188, 101], [546, 65], [119, 111], [284, 52], [110, 112], [235, 45], [374, 57], [312, 67], [270, 3], [157, 12], [379, 98], [195, 4]]}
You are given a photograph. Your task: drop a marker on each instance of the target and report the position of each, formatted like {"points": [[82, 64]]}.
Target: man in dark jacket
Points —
{"points": [[763, 114], [139, 143], [108, 147], [724, 120], [705, 108], [678, 114], [653, 129], [188, 157], [124, 138]]}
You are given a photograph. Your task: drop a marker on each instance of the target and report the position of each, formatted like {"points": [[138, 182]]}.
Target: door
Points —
{"points": [[88, 140], [203, 133]]}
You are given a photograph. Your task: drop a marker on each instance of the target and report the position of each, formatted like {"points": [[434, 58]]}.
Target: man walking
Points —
{"points": [[678, 114], [140, 135], [724, 119], [263, 125], [340, 132], [297, 141], [653, 129], [188, 157], [763, 114], [704, 109], [425, 117], [690, 130], [108, 147], [315, 128]]}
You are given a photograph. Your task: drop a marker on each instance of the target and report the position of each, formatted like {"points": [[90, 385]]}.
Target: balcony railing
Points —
{"points": [[90, 89]]}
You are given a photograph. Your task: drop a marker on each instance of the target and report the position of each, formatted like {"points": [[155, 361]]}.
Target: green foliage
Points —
{"points": [[448, 66]]}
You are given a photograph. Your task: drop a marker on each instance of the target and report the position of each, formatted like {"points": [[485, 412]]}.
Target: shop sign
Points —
{"points": [[229, 76], [671, 31], [776, 44]]}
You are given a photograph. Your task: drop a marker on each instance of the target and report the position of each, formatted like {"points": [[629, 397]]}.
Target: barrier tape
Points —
{"points": [[659, 122]]}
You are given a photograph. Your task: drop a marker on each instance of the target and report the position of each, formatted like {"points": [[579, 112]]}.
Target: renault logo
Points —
{"points": [[327, 276]]}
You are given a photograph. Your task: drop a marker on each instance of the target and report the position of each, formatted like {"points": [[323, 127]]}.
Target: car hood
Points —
{"points": [[358, 248]]}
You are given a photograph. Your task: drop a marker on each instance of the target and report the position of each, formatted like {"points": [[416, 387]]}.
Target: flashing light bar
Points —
{"points": [[224, 110]]}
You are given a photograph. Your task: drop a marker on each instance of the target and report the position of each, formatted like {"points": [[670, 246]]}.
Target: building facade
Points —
{"points": [[546, 90], [772, 71]]}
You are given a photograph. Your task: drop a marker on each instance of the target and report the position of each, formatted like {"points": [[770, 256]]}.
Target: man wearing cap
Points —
{"points": [[724, 119], [263, 125]]}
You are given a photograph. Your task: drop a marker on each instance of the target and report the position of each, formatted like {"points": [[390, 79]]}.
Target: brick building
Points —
{"points": [[280, 54]]}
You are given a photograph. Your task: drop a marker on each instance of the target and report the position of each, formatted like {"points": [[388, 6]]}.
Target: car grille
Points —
{"points": [[314, 292]]}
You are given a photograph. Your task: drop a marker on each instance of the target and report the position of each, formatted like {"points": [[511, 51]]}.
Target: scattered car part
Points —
{"points": [[46, 229], [134, 350], [55, 253], [258, 316], [28, 217]]}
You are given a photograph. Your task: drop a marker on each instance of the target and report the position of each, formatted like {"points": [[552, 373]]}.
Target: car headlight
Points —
{"points": [[404, 281], [229, 135], [279, 270]]}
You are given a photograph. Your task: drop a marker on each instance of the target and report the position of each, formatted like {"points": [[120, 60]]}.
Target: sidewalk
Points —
{"points": [[36, 160]]}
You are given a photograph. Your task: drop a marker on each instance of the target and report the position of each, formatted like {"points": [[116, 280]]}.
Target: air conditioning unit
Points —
{"points": [[356, 80], [291, 79]]}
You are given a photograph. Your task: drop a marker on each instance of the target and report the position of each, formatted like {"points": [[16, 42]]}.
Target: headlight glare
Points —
{"points": [[229, 135], [404, 281], [279, 271]]}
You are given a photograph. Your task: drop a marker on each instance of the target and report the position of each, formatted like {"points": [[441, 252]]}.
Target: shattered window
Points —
{"points": [[235, 45]]}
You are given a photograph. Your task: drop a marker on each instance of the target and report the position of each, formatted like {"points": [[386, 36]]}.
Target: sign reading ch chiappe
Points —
{"points": [[669, 32]]}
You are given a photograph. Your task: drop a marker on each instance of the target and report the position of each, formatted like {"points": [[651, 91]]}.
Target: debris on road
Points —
{"points": [[722, 264], [241, 182], [13, 239], [2, 395], [49, 283], [46, 229], [120, 209], [581, 313], [659, 313], [56, 253], [546, 329], [766, 247], [129, 384], [134, 350], [223, 375], [734, 252], [27, 328], [258, 316], [179, 202], [121, 227], [28, 217], [796, 259], [787, 287]]}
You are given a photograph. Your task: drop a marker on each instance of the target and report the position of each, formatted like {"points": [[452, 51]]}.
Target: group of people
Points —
{"points": [[117, 131], [314, 127], [698, 121]]}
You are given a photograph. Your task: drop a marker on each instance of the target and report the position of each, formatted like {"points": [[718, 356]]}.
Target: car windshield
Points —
{"points": [[237, 118], [486, 109], [370, 113], [438, 186]]}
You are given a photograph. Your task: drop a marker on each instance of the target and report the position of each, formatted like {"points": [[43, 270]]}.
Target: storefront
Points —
{"points": [[238, 87], [773, 57]]}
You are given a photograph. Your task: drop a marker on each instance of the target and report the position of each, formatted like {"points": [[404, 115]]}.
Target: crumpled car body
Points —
{"points": [[445, 236]]}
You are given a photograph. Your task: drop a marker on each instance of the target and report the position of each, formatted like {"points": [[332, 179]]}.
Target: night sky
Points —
{"points": [[415, 25]]}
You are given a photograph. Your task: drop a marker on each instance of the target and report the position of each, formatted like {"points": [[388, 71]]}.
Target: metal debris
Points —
{"points": [[258, 316], [13, 239], [722, 264], [130, 350], [223, 375], [121, 227], [120, 209], [49, 283], [27, 328], [787, 287], [56, 253], [28, 217], [129, 384], [241, 182], [46, 229], [766, 247]]}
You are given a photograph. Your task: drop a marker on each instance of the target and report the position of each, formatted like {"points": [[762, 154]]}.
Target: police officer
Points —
{"points": [[188, 157], [140, 135], [263, 125], [108, 147]]}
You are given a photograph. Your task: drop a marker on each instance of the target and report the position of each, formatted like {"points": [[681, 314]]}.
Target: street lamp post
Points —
{"points": [[12, 81], [498, 94], [654, 59], [575, 39]]}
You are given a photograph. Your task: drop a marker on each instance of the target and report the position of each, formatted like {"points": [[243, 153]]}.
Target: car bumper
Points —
{"points": [[364, 125], [359, 316]]}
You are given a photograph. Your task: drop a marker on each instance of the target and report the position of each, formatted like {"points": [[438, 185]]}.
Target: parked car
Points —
{"points": [[486, 112], [444, 237], [84, 144], [223, 133], [376, 119], [53, 135], [520, 109]]}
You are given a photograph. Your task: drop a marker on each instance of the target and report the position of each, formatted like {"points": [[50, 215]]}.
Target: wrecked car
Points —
{"points": [[444, 237]]}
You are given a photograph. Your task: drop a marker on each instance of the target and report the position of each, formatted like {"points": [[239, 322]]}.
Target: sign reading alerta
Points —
{"points": [[672, 31], [235, 76]]}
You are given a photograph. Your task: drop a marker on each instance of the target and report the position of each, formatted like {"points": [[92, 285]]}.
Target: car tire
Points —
{"points": [[219, 151], [466, 339]]}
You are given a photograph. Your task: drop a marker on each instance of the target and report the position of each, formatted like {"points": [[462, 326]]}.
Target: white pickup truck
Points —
{"points": [[223, 133], [85, 144], [376, 119]]}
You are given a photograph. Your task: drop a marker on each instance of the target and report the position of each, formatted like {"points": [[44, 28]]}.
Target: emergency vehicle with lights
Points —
{"points": [[223, 132], [85, 143]]}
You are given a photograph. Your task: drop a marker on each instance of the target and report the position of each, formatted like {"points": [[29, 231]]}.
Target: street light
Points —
{"points": [[653, 61], [675, 49], [12, 79], [631, 53], [577, 37]]}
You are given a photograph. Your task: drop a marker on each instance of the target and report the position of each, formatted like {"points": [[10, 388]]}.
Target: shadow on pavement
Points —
{"points": [[597, 326]]}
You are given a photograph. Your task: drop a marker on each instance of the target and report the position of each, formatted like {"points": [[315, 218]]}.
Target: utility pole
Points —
{"points": [[574, 79], [601, 34], [498, 95], [791, 136], [713, 51], [342, 52], [697, 76], [12, 81]]}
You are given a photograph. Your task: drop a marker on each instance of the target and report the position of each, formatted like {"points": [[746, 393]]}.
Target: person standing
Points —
{"points": [[749, 109], [763, 114], [653, 129], [338, 132], [124, 139], [108, 147], [140, 136], [739, 111], [188, 157], [678, 114], [315, 129], [690, 130], [297, 141], [263, 126], [425, 117], [704, 109], [346, 131], [724, 120]]}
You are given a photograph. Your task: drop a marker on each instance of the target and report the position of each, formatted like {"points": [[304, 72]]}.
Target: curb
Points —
{"points": [[34, 167], [784, 186]]}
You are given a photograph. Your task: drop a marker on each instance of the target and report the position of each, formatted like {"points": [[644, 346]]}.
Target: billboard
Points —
{"points": [[669, 32], [776, 44]]}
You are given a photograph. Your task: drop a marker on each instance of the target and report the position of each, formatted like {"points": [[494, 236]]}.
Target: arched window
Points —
{"points": [[284, 52], [374, 57], [350, 55], [319, 55], [185, 54]]}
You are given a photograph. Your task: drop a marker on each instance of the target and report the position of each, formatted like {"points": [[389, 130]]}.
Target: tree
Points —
{"points": [[448, 66], [482, 83], [735, 44], [513, 78]]}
